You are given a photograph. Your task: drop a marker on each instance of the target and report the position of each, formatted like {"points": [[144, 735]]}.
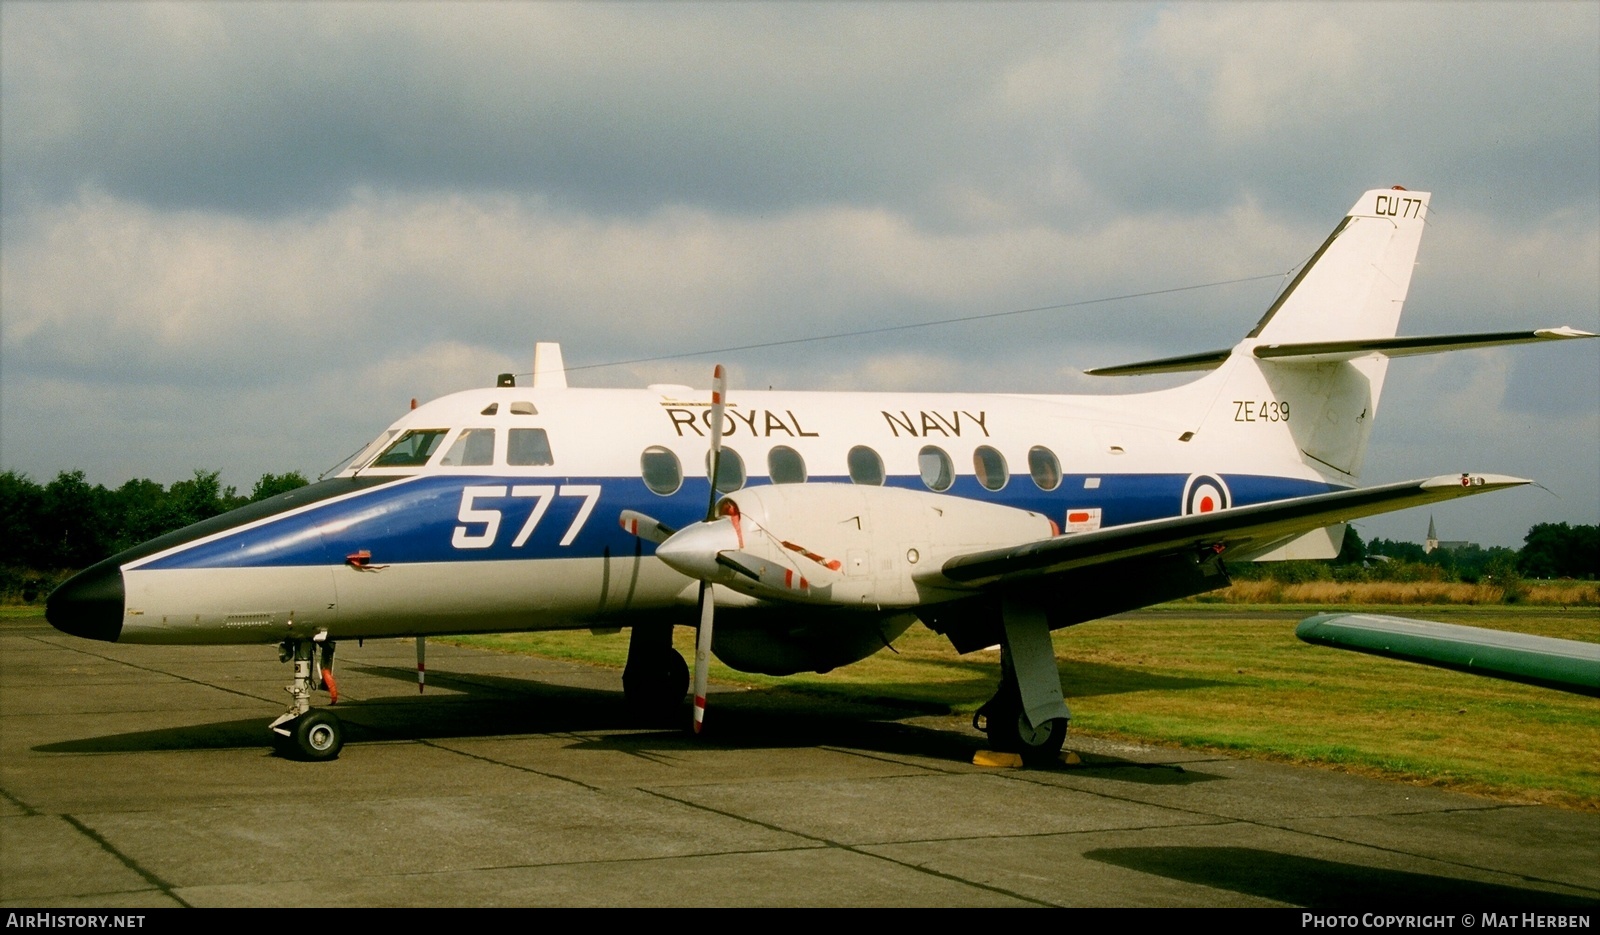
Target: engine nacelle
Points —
{"points": [[877, 547]]}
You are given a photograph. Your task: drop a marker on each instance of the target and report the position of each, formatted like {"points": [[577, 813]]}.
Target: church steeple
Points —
{"points": [[1432, 542]]}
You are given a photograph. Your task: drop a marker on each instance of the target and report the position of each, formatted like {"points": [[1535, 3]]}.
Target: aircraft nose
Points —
{"points": [[89, 604]]}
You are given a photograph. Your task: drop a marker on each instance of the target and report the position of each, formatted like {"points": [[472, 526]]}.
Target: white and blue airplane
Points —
{"points": [[836, 520]]}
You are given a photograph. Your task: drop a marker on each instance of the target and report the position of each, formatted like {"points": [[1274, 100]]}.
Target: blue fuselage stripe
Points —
{"points": [[435, 519]]}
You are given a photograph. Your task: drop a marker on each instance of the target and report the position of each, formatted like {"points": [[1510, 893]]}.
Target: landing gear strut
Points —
{"points": [[301, 732], [656, 678], [1027, 715]]}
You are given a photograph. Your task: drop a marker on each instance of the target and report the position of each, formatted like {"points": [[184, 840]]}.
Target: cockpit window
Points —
{"points": [[472, 448], [490, 409], [528, 447], [361, 458], [523, 408], [412, 449]]}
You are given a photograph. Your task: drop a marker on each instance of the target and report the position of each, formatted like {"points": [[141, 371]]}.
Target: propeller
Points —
{"points": [[702, 645], [645, 527]]}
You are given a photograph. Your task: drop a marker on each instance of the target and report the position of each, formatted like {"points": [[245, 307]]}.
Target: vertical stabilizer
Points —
{"points": [[548, 370], [1354, 285], [1352, 288]]}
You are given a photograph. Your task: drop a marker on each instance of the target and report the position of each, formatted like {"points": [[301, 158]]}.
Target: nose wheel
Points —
{"points": [[301, 733]]}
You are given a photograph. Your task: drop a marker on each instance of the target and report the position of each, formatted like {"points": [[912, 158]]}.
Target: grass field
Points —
{"points": [[1234, 678]]}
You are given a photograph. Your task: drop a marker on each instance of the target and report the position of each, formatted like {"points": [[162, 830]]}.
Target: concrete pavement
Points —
{"points": [[141, 776]]}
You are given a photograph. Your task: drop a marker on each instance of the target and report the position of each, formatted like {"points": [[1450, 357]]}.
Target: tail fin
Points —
{"points": [[1320, 410], [1352, 288]]}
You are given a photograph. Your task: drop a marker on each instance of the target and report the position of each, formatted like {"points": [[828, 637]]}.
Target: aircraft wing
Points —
{"points": [[1240, 532]]}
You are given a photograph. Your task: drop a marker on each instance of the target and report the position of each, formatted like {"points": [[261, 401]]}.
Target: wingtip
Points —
{"points": [[1475, 481]]}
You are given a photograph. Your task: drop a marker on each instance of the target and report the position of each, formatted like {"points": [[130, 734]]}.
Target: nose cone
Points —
{"points": [[89, 604], [693, 550]]}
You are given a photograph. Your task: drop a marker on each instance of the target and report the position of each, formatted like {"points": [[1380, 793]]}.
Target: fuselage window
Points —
{"points": [[663, 474], [1045, 468], [412, 449], [472, 448], [990, 466], [938, 472], [523, 408], [528, 447], [490, 409], [730, 470], [785, 466], [866, 467]]}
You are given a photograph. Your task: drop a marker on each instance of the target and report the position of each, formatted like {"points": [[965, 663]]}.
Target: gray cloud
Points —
{"points": [[281, 208]]}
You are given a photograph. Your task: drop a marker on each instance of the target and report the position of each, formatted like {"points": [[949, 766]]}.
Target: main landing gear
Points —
{"points": [[301, 732], [656, 679], [1028, 715]]}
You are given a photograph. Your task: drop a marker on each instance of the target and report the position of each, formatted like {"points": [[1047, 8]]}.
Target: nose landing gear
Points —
{"points": [[301, 732]]}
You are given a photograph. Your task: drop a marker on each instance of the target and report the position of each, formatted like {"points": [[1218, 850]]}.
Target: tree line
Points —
{"points": [[50, 529], [1550, 550]]}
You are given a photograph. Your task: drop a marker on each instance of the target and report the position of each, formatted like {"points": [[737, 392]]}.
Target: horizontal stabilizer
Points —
{"points": [[1206, 360], [1238, 532], [1567, 665], [1328, 351]]}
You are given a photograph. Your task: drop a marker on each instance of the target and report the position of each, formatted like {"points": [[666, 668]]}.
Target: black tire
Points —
{"points": [[318, 736], [655, 688], [1009, 732]]}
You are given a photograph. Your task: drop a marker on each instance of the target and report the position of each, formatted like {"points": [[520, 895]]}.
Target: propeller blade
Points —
{"points": [[422, 667], [702, 654], [702, 645], [768, 574], [645, 527], [719, 398]]}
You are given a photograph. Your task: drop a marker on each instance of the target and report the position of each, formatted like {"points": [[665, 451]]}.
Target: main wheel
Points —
{"points": [[1010, 732], [655, 687], [318, 736]]}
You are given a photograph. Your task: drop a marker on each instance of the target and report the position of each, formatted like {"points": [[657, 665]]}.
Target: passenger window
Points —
{"points": [[730, 470], [938, 472], [990, 466], [1045, 468], [528, 447], [785, 466], [866, 468], [412, 449], [662, 472], [472, 448]]}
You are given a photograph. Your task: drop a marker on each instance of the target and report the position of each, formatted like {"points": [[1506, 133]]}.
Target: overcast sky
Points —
{"points": [[242, 237]]}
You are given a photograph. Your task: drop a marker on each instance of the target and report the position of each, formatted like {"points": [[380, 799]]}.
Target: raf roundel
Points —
{"points": [[1205, 493]]}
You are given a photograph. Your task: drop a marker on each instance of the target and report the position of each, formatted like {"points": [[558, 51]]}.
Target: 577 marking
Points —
{"points": [[540, 494]]}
